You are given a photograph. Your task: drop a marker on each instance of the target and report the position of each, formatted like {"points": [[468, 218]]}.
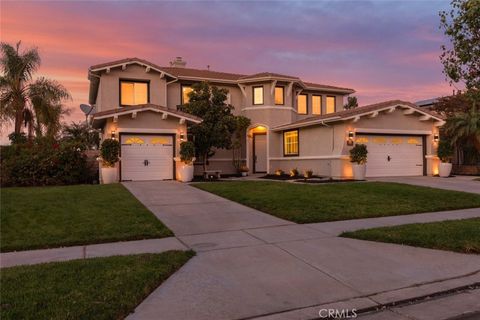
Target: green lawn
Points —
{"points": [[46, 217], [456, 235], [339, 201], [100, 288]]}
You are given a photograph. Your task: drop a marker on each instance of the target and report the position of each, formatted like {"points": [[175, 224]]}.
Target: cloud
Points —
{"points": [[383, 49]]}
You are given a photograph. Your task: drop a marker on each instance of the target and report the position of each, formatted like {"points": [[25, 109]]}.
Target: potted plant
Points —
{"points": [[444, 152], [109, 156], [358, 158], [185, 163], [244, 170]]}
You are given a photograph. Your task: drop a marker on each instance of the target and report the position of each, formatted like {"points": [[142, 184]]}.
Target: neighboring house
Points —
{"points": [[295, 124]]}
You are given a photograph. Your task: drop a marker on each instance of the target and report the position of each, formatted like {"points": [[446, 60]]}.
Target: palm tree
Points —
{"points": [[36, 104], [464, 126]]}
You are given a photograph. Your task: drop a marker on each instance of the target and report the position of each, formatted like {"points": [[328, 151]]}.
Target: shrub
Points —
{"points": [[44, 162], [279, 172], [17, 138], [187, 152], [294, 172], [109, 151], [358, 154], [445, 150], [308, 174]]}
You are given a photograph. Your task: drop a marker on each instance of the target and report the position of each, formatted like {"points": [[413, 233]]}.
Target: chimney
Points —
{"points": [[178, 62]]}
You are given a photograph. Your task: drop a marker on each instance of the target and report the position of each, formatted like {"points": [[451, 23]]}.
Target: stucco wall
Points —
{"points": [[109, 88]]}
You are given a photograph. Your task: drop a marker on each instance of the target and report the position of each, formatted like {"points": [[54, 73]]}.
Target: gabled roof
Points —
{"points": [[200, 74], [268, 75], [144, 107], [357, 112]]}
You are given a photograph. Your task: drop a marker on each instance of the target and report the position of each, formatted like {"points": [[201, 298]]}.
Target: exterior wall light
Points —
{"points": [[436, 137], [182, 136], [351, 134], [113, 134]]}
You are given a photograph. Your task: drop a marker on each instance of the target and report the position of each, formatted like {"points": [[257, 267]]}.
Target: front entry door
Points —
{"points": [[259, 152]]}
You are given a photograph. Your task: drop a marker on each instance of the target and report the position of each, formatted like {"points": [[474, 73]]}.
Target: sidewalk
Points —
{"points": [[10, 259]]}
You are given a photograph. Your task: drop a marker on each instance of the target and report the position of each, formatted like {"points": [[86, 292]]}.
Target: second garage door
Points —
{"points": [[390, 155], [147, 157]]}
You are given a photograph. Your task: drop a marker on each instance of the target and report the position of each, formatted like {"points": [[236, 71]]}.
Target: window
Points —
{"points": [[257, 95], [279, 96], [316, 104], [185, 91], [133, 93], [302, 104], [330, 105], [290, 143]]}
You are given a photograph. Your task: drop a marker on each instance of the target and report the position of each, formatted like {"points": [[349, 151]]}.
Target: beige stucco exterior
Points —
{"points": [[322, 146]]}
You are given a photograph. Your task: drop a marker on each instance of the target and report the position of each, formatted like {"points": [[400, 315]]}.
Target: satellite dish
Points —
{"points": [[86, 108]]}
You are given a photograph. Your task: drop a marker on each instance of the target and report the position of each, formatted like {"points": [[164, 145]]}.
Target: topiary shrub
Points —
{"points": [[187, 152], [445, 151], [358, 154], [109, 152]]}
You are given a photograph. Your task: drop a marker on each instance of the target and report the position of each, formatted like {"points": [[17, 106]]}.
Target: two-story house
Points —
{"points": [[295, 124]]}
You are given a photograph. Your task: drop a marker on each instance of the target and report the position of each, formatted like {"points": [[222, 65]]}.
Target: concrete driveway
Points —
{"points": [[458, 183], [252, 265]]}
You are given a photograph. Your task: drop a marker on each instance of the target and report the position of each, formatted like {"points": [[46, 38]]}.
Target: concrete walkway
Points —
{"points": [[250, 264], [458, 183], [10, 259]]}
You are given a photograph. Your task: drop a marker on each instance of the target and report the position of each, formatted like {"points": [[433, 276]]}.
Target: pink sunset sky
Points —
{"points": [[382, 49]]}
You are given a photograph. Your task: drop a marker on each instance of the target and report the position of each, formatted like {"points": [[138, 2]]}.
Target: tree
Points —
{"points": [[219, 123], [464, 127], [461, 64], [36, 104], [241, 126], [81, 134], [351, 103], [461, 61]]}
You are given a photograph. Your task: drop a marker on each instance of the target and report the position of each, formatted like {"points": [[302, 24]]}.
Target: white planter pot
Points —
{"points": [[444, 169], [109, 175], [244, 174], [359, 171], [185, 172]]}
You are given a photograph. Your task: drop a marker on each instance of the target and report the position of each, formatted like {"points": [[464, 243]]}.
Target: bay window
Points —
{"points": [[316, 105], [257, 95], [330, 107], [302, 104]]}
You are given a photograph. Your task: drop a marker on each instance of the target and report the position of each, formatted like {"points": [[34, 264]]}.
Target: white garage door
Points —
{"points": [[393, 155], [147, 157]]}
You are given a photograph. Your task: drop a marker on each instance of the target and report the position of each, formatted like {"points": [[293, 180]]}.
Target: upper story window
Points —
{"points": [[290, 143], [302, 104], [279, 95], [185, 91], [317, 105], [257, 95], [330, 107], [133, 92]]}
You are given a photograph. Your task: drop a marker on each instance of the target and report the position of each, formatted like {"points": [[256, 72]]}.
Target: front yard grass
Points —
{"points": [[339, 201], [46, 217], [456, 235], [99, 288]]}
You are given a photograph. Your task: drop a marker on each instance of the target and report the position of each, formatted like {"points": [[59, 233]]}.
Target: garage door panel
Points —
{"points": [[393, 155], [157, 149]]}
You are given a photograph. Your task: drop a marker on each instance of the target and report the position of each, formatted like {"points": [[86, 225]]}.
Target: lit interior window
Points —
{"points": [[290, 143], [185, 91], [330, 105], [316, 104], [133, 93], [257, 95], [279, 95], [302, 103]]}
